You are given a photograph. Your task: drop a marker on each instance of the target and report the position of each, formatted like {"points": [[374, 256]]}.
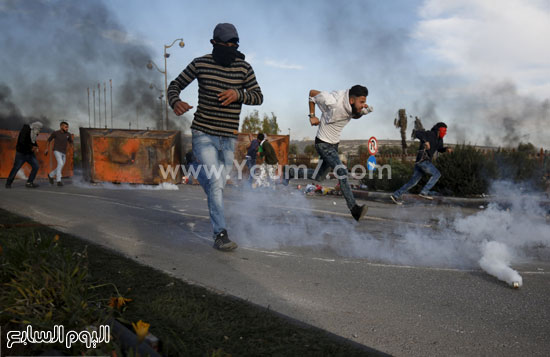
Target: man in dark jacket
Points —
{"points": [[430, 142], [270, 166], [24, 152]]}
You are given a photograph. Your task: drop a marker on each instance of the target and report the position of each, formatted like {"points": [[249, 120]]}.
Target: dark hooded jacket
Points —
{"points": [[24, 142], [436, 143], [268, 153]]}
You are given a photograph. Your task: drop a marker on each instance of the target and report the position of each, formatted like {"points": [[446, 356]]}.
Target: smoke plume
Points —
{"points": [[53, 51], [493, 239], [10, 115]]}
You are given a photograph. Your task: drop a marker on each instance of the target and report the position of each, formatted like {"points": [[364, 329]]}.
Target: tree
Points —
{"points": [[251, 123], [293, 149], [529, 148], [269, 125]]}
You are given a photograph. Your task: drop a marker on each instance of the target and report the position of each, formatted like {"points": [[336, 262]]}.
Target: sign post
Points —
{"points": [[372, 146]]}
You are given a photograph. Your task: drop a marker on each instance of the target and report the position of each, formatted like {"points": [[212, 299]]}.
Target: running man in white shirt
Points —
{"points": [[337, 109]]}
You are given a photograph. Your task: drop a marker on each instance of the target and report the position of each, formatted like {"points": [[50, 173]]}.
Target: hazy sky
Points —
{"points": [[480, 66]]}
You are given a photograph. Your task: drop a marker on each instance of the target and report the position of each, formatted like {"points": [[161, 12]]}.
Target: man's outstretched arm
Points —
{"points": [[312, 117], [177, 85]]}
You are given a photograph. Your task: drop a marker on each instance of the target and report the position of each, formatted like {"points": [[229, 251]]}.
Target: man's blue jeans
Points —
{"points": [[20, 159], [420, 168], [214, 156], [250, 163], [329, 160]]}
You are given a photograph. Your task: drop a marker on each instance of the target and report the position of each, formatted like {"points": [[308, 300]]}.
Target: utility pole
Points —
{"points": [[93, 91], [89, 120], [111, 85], [105, 100], [99, 105]]}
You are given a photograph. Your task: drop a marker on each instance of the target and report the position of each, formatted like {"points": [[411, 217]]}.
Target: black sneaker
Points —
{"points": [[396, 200], [8, 185], [59, 183], [222, 242], [31, 185], [50, 179], [359, 211]]}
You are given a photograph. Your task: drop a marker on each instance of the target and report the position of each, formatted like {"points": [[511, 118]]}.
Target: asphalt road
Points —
{"points": [[403, 281]]}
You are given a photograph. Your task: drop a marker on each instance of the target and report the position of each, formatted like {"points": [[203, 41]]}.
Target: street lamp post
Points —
{"points": [[161, 95], [165, 72]]}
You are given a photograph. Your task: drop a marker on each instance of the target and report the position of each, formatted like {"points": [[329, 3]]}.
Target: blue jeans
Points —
{"points": [[329, 160], [20, 159], [214, 156], [420, 168], [250, 162]]}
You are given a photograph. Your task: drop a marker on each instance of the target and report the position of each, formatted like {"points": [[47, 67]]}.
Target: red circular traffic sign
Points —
{"points": [[372, 146]]}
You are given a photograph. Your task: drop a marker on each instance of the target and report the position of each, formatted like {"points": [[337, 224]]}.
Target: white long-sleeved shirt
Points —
{"points": [[336, 113]]}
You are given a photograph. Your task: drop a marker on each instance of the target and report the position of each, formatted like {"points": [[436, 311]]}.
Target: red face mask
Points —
{"points": [[442, 132]]}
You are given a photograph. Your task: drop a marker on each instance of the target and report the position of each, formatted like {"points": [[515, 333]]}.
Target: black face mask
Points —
{"points": [[225, 55]]}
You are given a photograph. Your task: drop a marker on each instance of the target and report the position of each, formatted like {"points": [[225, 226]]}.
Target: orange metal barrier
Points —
{"points": [[129, 156], [8, 142]]}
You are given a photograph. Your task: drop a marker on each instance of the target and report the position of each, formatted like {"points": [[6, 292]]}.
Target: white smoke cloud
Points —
{"points": [[496, 261], [282, 64], [494, 239], [164, 186], [482, 39], [489, 68], [21, 175]]}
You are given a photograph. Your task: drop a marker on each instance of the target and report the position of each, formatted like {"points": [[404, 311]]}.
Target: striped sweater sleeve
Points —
{"points": [[251, 94], [177, 85]]}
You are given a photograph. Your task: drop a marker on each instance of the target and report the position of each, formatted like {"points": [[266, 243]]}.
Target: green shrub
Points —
{"points": [[466, 171], [412, 149], [517, 166], [401, 172]]}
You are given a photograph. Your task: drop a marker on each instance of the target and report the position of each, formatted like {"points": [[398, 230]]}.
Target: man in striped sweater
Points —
{"points": [[226, 82]]}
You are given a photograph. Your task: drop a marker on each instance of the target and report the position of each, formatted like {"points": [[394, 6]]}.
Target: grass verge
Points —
{"points": [[188, 320]]}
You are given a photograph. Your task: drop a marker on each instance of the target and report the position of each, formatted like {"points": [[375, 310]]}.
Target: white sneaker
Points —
{"points": [[397, 201]]}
